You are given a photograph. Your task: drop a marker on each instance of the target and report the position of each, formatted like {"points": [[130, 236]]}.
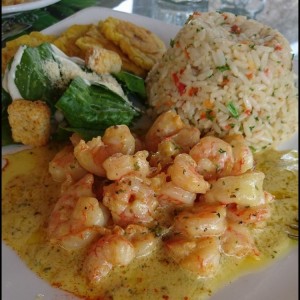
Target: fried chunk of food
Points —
{"points": [[94, 38], [66, 42], [33, 39], [141, 45], [30, 122], [103, 61]]}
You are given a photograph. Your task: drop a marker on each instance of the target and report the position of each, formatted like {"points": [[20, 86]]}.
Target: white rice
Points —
{"points": [[227, 74]]}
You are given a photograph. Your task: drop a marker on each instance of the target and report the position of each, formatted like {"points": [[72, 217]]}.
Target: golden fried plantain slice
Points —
{"points": [[66, 42], [33, 39], [141, 45], [94, 38]]}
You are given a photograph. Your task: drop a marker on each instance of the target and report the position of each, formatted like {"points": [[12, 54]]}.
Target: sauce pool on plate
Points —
{"points": [[29, 195]]}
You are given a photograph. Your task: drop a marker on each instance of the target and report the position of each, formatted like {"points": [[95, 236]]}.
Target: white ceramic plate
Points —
{"points": [[34, 4], [277, 282]]}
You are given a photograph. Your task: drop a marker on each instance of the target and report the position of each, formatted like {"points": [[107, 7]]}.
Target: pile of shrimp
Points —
{"points": [[123, 196]]}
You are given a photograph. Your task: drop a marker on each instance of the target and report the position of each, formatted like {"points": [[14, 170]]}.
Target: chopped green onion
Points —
{"points": [[232, 109]]}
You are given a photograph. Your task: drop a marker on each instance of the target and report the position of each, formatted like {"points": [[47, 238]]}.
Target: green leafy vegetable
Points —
{"points": [[31, 79], [94, 107], [132, 82]]}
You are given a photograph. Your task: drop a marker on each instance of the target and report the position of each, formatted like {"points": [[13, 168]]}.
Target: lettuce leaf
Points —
{"points": [[92, 107], [133, 83], [31, 79]]}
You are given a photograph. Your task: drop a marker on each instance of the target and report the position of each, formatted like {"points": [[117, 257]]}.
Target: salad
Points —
{"points": [[80, 100]]}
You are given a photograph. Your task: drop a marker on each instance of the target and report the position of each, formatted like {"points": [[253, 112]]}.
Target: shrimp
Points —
{"points": [[201, 221], [64, 163], [109, 251], [213, 156], [248, 215], [76, 216], [186, 138], [119, 139], [242, 154], [164, 156], [92, 154], [167, 124], [183, 173], [75, 139], [118, 165], [245, 189], [237, 241], [172, 194], [200, 256], [143, 241], [169, 197], [130, 200], [180, 142]]}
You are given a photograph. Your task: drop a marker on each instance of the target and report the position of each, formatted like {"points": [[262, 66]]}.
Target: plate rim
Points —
{"points": [[220, 290], [27, 6]]}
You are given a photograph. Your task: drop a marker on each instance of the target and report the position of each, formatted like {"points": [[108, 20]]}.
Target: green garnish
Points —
{"points": [[223, 68], [233, 110]]}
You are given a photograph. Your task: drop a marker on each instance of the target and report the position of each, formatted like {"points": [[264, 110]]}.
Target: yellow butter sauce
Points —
{"points": [[29, 195]]}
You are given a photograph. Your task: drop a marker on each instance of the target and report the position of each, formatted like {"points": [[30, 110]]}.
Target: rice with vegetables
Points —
{"points": [[227, 74]]}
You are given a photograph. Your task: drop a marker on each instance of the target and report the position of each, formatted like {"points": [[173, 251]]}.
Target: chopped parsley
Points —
{"points": [[209, 114], [223, 68]]}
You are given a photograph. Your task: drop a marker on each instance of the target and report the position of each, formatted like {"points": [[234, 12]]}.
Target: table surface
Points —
{"points": [[279, 14]]}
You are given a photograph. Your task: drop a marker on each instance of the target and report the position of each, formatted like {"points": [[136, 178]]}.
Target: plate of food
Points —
{"points": [[14, 6], [149, 161]]}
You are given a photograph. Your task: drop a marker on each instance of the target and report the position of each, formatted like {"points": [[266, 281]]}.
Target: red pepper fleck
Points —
{"points": [[278, 47], [248, 112], [180, 86], [203, 116], [249, 75], [193, 91], [181, 71], [224, 82], [187, 55], [235, 29]]}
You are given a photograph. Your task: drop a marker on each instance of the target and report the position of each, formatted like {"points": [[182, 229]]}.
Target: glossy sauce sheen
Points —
{"points": [[29, 195]]}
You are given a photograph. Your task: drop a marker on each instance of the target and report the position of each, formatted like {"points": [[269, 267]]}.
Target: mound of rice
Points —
{"points": [[227, 74]]}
